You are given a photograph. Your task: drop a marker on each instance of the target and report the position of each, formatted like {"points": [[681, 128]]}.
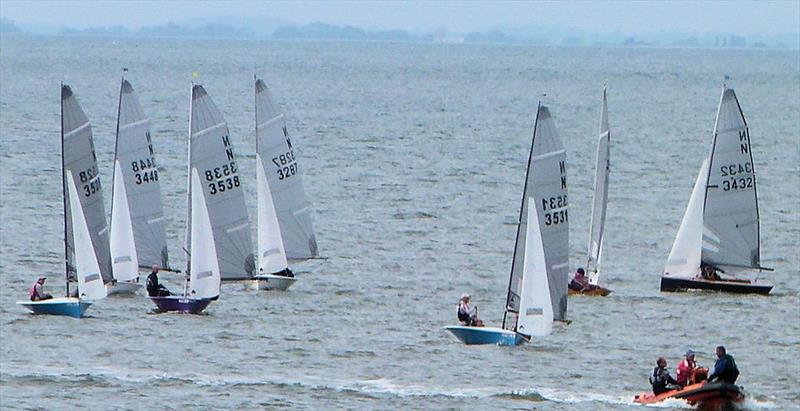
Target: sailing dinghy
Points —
{"points": [[537, 291], [82, 264], [719, 233], [274, 156], [137, 236], [599, 205]]}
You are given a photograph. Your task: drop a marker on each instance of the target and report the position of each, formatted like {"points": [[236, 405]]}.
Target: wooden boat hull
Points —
{"points": [[273, 282], [123, 287], [67, 306], [181, 304], [485, 335], [669, 284], [595, 292], [707, 396]]}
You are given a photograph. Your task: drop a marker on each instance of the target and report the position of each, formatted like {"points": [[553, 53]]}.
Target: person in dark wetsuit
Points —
{"points": [[154, 289], [286, 272], [725, 368], [660, 379]]}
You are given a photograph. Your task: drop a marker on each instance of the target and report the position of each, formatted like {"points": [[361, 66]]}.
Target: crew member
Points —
{"points": [[686, 369], [37, 291], [660, 379], [580, 282], [466, 315], [725, 368], [154, 289]]}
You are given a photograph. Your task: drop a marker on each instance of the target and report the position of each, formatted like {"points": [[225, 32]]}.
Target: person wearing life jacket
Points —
{"points": [[37, 291], [725, 368], [660, 378], [686, 369], [580, 282], [466, 315]]}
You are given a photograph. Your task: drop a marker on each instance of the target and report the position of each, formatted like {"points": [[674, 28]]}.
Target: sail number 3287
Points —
{"points": [[287, 167]]}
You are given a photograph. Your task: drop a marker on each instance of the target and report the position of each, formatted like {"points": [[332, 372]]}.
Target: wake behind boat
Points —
{"points": [[720, 230], [537, 291]]}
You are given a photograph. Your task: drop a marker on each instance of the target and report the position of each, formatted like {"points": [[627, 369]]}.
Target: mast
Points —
{"points": [[519, 221], [189, 187], [64, 194]]}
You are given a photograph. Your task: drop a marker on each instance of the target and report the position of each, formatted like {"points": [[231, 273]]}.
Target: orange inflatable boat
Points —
{"points": [[715, 396]]}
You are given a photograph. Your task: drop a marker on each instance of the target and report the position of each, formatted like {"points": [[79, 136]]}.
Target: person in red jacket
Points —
{"points": [[685, 369]]}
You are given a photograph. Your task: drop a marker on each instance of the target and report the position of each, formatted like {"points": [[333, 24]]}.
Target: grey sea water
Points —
{"points": [[414, 156]]}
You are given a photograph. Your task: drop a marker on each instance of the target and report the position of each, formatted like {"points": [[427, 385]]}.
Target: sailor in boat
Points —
{"points": [[154, 288], [688, 372], [725, 368], [37, 291], [466, 315], [708, 272], [580, 282], [286, 272], [661, 380]]}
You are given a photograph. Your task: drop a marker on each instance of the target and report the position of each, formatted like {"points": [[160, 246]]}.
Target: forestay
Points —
{"points": [[600, 200], [684, 258], [87, 270], [204, 274], [138, 172], [285, 178], [536, 309], [211, 153], [730, 217], [80, 162], [546, 187]]}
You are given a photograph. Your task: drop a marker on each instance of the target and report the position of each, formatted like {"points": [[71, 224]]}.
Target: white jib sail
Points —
{"points": [[204, 277], [536, 309], [684, 259], [271, 253], [600, 201], [125, 263], [87, 270]]}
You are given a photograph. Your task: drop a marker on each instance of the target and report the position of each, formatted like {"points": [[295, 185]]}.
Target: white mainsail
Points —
{"points": [[600, 200], [204, 275], [138, 174], [124, 261], [684, 258], [211, 153], [730, 214], [87, 270], [271, 254], [282, 169], [546, 187], [80, 162], [536, 309]]}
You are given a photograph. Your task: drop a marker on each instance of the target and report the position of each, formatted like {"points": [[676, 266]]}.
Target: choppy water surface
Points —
{"points": [[415, 157]]}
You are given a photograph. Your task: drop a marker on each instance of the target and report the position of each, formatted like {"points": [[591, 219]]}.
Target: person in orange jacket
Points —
{"points": [[685, 369]]}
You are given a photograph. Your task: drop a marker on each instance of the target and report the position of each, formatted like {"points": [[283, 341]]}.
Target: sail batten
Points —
{"points": [[212, 156], [284, 177]]}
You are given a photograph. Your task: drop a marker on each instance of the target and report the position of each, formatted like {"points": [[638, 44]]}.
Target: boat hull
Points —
{"points": [[181, 304], [669, 284], [68, 306], [485, 335], [707, 396], [123, 287], [273, 282], [596, 292]]}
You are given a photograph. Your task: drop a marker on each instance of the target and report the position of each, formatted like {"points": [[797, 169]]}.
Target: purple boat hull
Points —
{"points": [[181, 304]]}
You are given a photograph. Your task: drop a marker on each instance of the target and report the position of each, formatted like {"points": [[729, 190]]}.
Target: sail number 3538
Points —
{"points": [[222, 178]]}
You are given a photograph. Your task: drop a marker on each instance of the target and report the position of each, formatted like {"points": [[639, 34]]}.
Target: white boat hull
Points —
{"points": [[273, 282], [123, 287]]}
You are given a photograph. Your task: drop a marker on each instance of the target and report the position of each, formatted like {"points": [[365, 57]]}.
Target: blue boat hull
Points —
{"points": [[70, 307], [181, 304], [485, 335]]}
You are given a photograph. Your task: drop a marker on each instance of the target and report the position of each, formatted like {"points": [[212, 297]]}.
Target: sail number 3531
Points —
{"points": [[90, 181], [555, 210], [222, 178]]}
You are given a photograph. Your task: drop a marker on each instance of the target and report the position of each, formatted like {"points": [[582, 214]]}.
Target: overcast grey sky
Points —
{"points": [[635, 17]]}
